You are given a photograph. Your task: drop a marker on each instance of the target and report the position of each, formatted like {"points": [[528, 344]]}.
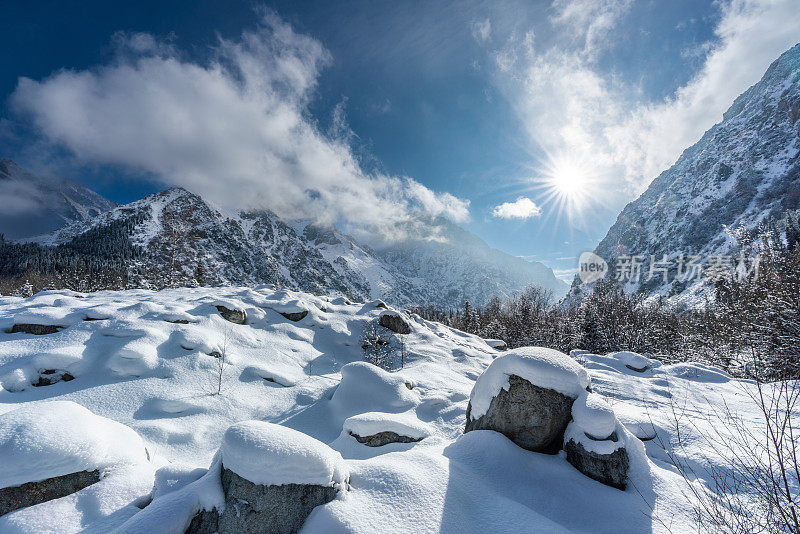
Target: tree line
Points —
{"points": [[748, 327]]}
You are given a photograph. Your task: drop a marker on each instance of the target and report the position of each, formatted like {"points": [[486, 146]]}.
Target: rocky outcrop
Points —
{"points": [[36, 329], [395, 322], [48, 377], [234, 316], [256, 508], [295, 316], [32, 493], [531, 416], [383, 438]]}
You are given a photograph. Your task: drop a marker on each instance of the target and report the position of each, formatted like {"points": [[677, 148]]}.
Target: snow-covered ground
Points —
{"points": [[150, 360]]}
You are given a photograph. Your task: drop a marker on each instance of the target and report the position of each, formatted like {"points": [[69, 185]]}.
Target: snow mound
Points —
{"points": [[577, 434], [633, 360], [593, 414], [50, 316], [292, 306], [270, 454], [61, 437], [371, 423], [542, 367], [366, 387]]}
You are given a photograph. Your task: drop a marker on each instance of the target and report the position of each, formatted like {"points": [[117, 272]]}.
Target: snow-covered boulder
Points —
{"points": [[233, 315], [272, 478], [527, 395], [376, 429], [366, 387], [293, 309], [633, 361], [496, 344], [61, 460], [395, 322], [595, 441]]}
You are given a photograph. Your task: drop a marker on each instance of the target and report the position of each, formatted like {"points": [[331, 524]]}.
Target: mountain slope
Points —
{"points": [[464, 267], [33, 204], [180, 239], [743, 171]]}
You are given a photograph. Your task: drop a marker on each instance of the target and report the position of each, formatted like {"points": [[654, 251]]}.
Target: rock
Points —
{"points": [[31, 493], [48, 377], [378, 303], [383, 438], [394, 321], [256, 508], [496, 344], [295, 316], [234, 316], [531, 416], [36, 329], [610, 469]]}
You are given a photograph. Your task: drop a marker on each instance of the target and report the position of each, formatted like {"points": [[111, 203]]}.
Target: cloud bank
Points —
{"points": [[235, 129], [522, 208], [570, 105]]}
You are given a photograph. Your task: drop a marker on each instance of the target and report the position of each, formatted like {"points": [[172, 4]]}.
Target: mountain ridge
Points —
{"points": [[743, 172], [178, 228]]}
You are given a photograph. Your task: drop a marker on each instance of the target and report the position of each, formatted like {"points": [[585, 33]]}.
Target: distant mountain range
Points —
{"points": [[34, 204], [176, 234], [744, 171]]}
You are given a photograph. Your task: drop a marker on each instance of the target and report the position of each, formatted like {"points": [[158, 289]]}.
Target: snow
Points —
{"points": [[363, 382], [542, 367], [270, 454], [60, 437], [594, 415], [371, 423], [309, 377], [633, 360], [57, 438], [496, 343]]}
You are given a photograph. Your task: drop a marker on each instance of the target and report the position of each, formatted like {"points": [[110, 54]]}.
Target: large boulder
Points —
{"points": [[272, 478], [51, 450], [527, 395], [256, 508], [395, 322], [595, 442]]}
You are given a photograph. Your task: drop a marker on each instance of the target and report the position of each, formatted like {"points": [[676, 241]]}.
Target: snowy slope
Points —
{"points": [[252, 247], [743, 171], [146, 360], [35, 204]]}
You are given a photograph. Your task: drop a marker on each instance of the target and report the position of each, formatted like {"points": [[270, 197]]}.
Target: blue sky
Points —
{"points": [[530, 123]]}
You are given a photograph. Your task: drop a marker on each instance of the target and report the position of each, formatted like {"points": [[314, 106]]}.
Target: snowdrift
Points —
{"points": [[149, 362]]}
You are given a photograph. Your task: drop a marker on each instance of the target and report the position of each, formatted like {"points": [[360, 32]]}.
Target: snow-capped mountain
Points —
{"points": [[35, 204], [743, 171], [463, 267], [176, 235]]}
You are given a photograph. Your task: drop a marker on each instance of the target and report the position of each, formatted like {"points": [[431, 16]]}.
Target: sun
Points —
{"points": [[568, 179], [568, 184]]}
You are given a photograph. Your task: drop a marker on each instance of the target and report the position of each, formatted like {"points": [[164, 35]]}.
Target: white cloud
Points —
{"points": [[569, 105], [522, 208], [481, 30], [235, 129], [589, 21]]}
